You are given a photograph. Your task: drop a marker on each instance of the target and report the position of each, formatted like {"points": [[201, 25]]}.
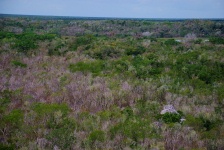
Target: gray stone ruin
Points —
{"points": [[168, 108], [171, 109]]}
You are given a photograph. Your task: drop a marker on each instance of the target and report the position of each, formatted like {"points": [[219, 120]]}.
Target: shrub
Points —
{"points": [[14, 116], [46, 37], [26, 41], [171, 42], [128, 112], [216, 40], [4, 101], [171, 117], [19, 64], [62, 136], [24, 45], [49, 109], [6, 35], [198, 41], [135, 51], [7, 147], [153, 39], [201, 123], [146, 67], [97, 135], [220, 94], [105, 53], [52, 52], [136, 129], [82, 40], [207, 124], [94, 67]]}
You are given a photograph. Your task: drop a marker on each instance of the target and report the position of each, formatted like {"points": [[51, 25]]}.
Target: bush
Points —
{"points": [[171, 117], [82, 40], [25, 45], [49, 109], [216, 40], [97, 135], [13, 119], [171, 42], [105, 53], [62, 135], [26, 41], [137, 129], [4, 102], [94, 67], [7, 147], [19, 64], [198, 41], [135, 51], [146, 67], [6, 35], [153, 39]]}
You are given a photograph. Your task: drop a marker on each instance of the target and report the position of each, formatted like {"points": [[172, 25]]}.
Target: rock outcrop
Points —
{"points": [[168, 108]]}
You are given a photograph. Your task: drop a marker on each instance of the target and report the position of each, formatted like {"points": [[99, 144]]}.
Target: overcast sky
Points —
{"points": [[117, 8]]}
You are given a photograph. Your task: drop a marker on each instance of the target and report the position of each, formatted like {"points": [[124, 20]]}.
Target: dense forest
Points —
{"points": [[102, 84]]}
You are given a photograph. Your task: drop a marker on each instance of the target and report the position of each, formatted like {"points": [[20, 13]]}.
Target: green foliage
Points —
{"points": [[194, 122], [6, 35], [120, 65], [171, 117], [105, 115], [128, 112], [59, 48], [44, 37], [171, 42], [135, 129], [34, 37], [135, 50], [105, 52], [146, 108], [146, 67], [49, 109], [122, 106], [188, 66], [26, 41], [133, 126], [7, 147], [153, 39], [94, 67], [24, 45], [5, 97], [201, 123], [216, 40], [220, 94], [14, 118], [52, 52], [198, 41], [207, 124], [82, 41], [62, 137], [62, 134], [97, 135], [19, 64]]}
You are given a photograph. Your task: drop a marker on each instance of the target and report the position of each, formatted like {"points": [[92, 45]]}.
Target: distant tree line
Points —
{"points": [[122, 28]]}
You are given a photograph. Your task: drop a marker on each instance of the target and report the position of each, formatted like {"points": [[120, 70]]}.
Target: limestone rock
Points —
{"points": [[168, 108]]}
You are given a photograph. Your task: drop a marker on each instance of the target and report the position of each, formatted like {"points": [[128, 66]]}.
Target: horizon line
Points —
{"points": [[105, 18]]}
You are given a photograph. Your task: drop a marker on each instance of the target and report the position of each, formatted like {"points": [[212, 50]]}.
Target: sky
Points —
{"points": [[116, 8]]}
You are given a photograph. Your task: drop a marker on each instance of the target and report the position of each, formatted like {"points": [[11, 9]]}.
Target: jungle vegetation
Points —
{"points": [[101, 84]]}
